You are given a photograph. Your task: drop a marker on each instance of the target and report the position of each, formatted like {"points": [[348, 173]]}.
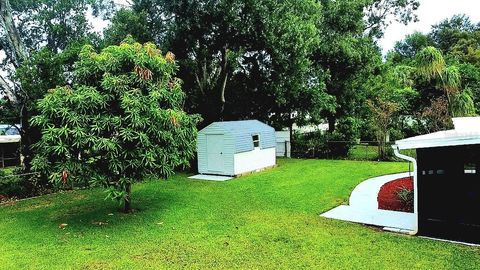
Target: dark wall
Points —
{"points": [[449, 192]]}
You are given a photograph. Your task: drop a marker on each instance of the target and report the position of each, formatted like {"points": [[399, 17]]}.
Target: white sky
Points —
{"points": [[430, 12]]}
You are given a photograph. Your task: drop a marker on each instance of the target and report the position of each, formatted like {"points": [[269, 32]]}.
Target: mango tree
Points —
{"points": [[121, 120]]}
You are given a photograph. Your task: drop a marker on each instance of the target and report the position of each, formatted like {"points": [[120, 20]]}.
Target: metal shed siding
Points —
{"points": [[242, 132], [237, 139], [202, 151]]}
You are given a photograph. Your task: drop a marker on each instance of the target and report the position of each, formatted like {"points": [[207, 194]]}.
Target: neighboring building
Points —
{"points": [[9, 146], [283, 143], [235, 147], [447, 181], [322, 128]]}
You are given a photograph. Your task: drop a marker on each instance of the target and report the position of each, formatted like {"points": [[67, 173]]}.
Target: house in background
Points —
{"points": [[447, 181], [234, 148], [9, 146]]}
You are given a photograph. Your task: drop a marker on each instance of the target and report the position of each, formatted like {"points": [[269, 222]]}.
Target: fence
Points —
{"points": [[9, 155], [363, 150]]}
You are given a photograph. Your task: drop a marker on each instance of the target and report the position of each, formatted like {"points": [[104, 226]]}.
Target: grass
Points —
{"points": [[268, 220], [370, 152], [363, 152]]}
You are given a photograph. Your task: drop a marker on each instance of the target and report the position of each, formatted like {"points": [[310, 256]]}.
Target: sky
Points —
{"points": [[430, 12]]}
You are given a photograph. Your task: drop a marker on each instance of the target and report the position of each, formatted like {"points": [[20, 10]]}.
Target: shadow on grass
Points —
{"points": [[85, 210]]}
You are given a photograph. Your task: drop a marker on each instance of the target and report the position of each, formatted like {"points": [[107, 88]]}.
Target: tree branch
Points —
{"points": [[19, 51], [7, 90]]}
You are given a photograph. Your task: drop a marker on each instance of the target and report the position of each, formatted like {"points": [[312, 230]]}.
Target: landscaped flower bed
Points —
{"points": [[397, 195]]}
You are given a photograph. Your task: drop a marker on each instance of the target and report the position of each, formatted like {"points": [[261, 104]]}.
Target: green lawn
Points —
{"points": [[363, 152], [268, 220]]}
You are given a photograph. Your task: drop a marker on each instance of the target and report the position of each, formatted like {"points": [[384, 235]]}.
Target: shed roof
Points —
{"points": [[242, 131], [243, 126], [466, 132]]}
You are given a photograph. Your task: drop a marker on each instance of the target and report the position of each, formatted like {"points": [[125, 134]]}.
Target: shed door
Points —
{"points": [[215, 152]]}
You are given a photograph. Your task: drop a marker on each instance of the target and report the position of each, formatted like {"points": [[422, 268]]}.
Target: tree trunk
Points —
{"points": [[19, 51], [224, 73], [331, 124], [128, 198], [7, 90]]}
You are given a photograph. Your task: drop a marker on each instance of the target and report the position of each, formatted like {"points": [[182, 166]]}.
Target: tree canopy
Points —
{"points": [[121, 120]]}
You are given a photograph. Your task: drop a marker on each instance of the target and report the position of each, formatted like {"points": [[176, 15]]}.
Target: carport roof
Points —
{"points": [[10, 138], [466, 132]]}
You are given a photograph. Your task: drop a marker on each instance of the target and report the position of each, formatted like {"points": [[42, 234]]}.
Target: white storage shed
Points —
{"points": [[235, 147]]}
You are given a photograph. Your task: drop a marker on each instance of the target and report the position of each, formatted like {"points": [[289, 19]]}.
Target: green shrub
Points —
{"points": [[11, 186], [406, 197]]}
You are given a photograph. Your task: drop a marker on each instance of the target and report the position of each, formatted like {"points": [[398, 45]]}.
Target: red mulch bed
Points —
{"points": [[388, 198]]}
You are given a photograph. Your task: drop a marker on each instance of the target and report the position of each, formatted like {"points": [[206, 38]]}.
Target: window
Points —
{"points": [[434, 172], [256, 141], [470, 168]]}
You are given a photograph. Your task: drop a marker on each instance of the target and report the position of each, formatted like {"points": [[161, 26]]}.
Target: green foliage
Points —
{"points": [[463, 104], [430, 63], [11, 186], [457, 41], [379, 14], [335, 144], [410, 46], [451, 79], [127, 22], [278, 61], [299, 88], [122, 120], [14, 185], [56, 23], [448, 33]]}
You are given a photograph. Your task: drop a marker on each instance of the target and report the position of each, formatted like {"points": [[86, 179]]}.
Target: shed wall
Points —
{"points": [[228, 151], [254, 160], [237, 140], [449, 193], [244, 143]]}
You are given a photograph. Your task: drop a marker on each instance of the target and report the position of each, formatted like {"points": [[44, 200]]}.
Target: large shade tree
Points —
{"points": [[40, 40], [242, 59], [121, 120], [347, 51], [270, 59]]}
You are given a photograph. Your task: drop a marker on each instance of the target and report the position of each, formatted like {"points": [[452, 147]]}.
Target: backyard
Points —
{"points": [[266, 220]]}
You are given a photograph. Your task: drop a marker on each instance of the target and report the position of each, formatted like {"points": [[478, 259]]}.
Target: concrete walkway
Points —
{"points": [[363, 207], [211, 177]]}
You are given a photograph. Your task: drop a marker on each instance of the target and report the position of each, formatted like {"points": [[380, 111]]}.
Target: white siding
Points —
{"points": [[283, 143], [227, 153], [254, 160], [239, 155]]}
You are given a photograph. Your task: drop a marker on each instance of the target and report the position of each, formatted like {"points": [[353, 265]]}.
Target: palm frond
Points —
{"points": [[430, 63], [451, 80], [462, 104]]}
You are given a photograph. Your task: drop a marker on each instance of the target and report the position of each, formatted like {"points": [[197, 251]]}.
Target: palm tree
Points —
{"points": [[431, 66]]}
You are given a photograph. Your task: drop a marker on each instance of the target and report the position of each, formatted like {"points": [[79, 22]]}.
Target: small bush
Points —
{"points": [[406, 197], [11, 186]]}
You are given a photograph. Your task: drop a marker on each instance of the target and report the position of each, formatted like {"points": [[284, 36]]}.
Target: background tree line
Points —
{"points": [[282, 62]]}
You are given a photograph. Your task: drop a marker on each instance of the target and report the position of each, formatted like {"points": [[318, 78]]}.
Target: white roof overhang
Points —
{"points": [[440, 139], [10, 138]]}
